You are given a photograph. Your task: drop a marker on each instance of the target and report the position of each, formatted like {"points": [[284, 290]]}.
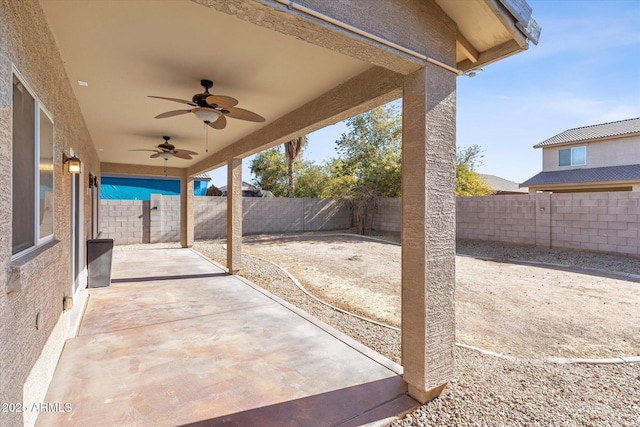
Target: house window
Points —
{"points": [[572, 156], [32, 171]]}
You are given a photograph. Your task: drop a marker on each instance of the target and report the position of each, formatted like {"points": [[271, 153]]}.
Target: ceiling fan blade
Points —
{"points": [[139, 149], [182, 101], [185, 152], [221, 123], [222, 101], [154, 156], [172, 113], [242, 114], [181, 155]]}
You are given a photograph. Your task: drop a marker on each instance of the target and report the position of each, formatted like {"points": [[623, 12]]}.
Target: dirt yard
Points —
{"points": [[520, 310]]}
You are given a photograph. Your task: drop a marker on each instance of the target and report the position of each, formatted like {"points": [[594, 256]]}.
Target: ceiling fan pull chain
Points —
{"points": [[206, 129]]}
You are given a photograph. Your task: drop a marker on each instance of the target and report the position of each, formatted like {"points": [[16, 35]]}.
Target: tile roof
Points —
{"points": [[608, 173], [605, 130], [501, 184]]}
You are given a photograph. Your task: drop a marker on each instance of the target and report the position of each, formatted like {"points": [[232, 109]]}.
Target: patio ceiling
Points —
{"points": [[126, 51]]}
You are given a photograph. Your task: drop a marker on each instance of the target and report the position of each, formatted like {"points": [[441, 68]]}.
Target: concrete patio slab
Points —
{"points": [[175, 341]]}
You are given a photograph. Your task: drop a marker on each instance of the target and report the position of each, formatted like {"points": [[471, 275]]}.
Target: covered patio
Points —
{"points": [[163, 347], [93, 87], [302, 66]]}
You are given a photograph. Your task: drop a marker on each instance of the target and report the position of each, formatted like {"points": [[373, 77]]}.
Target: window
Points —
{"points": [[572, 156], [32, 171]]}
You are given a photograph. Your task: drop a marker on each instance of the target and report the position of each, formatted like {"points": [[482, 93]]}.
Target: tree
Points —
{"points": [[311, 180], [270, 170], [370, 160], [213, 191], [468, 182], [293, 149], [371, 152]]}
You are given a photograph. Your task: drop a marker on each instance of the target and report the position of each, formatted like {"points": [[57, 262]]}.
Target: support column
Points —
{"points": [[234, 215], [186, 210], [428, 230]]}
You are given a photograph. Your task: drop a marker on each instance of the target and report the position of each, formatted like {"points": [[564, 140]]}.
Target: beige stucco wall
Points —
{"points": [[614, 152], [44, 275]]}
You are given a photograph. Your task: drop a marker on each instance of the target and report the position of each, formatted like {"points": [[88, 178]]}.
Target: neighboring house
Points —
{"points": [[140, 188], [603, 157], [501, 185], [245, 187], [249, 190]]}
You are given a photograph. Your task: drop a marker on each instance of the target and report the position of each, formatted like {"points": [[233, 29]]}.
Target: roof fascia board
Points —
{"points": [[374, 87], [521, 10], [507, 19]]}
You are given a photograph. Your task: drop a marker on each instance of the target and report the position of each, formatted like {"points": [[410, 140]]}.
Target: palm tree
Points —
{"points": [[293, 149]]}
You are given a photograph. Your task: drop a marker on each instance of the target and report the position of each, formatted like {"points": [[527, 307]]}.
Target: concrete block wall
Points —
{"points": [[125, 221], [165, 218], [388, 215], [326, 214], [498, 218], [210, 217], [158, 220], [272, 215], [599, 222], [603, 222]]}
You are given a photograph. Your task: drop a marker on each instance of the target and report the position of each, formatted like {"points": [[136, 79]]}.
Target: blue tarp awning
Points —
{"points": [[127, 188]]}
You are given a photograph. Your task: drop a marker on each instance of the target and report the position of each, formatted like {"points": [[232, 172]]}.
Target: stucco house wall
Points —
{"points": [[613, 152], [34, 285]]}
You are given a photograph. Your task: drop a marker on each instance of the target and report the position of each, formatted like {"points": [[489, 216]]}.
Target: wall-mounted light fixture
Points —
{"points": [[74, 165], [473, 73]]}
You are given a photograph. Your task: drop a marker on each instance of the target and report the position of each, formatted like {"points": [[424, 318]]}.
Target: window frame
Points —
{"points": [[38, 109], [571, 161]]}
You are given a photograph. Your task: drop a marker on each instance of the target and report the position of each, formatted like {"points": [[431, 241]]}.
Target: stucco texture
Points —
{"points": [[41, 278]]}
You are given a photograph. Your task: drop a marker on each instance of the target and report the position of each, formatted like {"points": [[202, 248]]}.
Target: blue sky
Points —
{"points": [[584, 71]]}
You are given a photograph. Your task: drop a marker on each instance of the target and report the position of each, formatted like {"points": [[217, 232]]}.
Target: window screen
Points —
{"points": [[579, 155], [23, 177], [572, 156], [565, 157], [45, 225]]}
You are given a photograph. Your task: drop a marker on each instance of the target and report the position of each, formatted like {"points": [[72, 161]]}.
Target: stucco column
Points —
{"points": [[186, 210], [428, 230], [234, 215]]}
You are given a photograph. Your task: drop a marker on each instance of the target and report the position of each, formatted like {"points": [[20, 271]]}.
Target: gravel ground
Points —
{"points": [[567, 257], [487, 390]]}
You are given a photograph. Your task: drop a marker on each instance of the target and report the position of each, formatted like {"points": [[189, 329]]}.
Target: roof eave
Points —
{"points": [[588, 140], [594, 184], [515, 16]]}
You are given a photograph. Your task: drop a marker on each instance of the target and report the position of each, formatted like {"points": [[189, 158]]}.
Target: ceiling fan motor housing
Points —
{"points": [[200, 98]]}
